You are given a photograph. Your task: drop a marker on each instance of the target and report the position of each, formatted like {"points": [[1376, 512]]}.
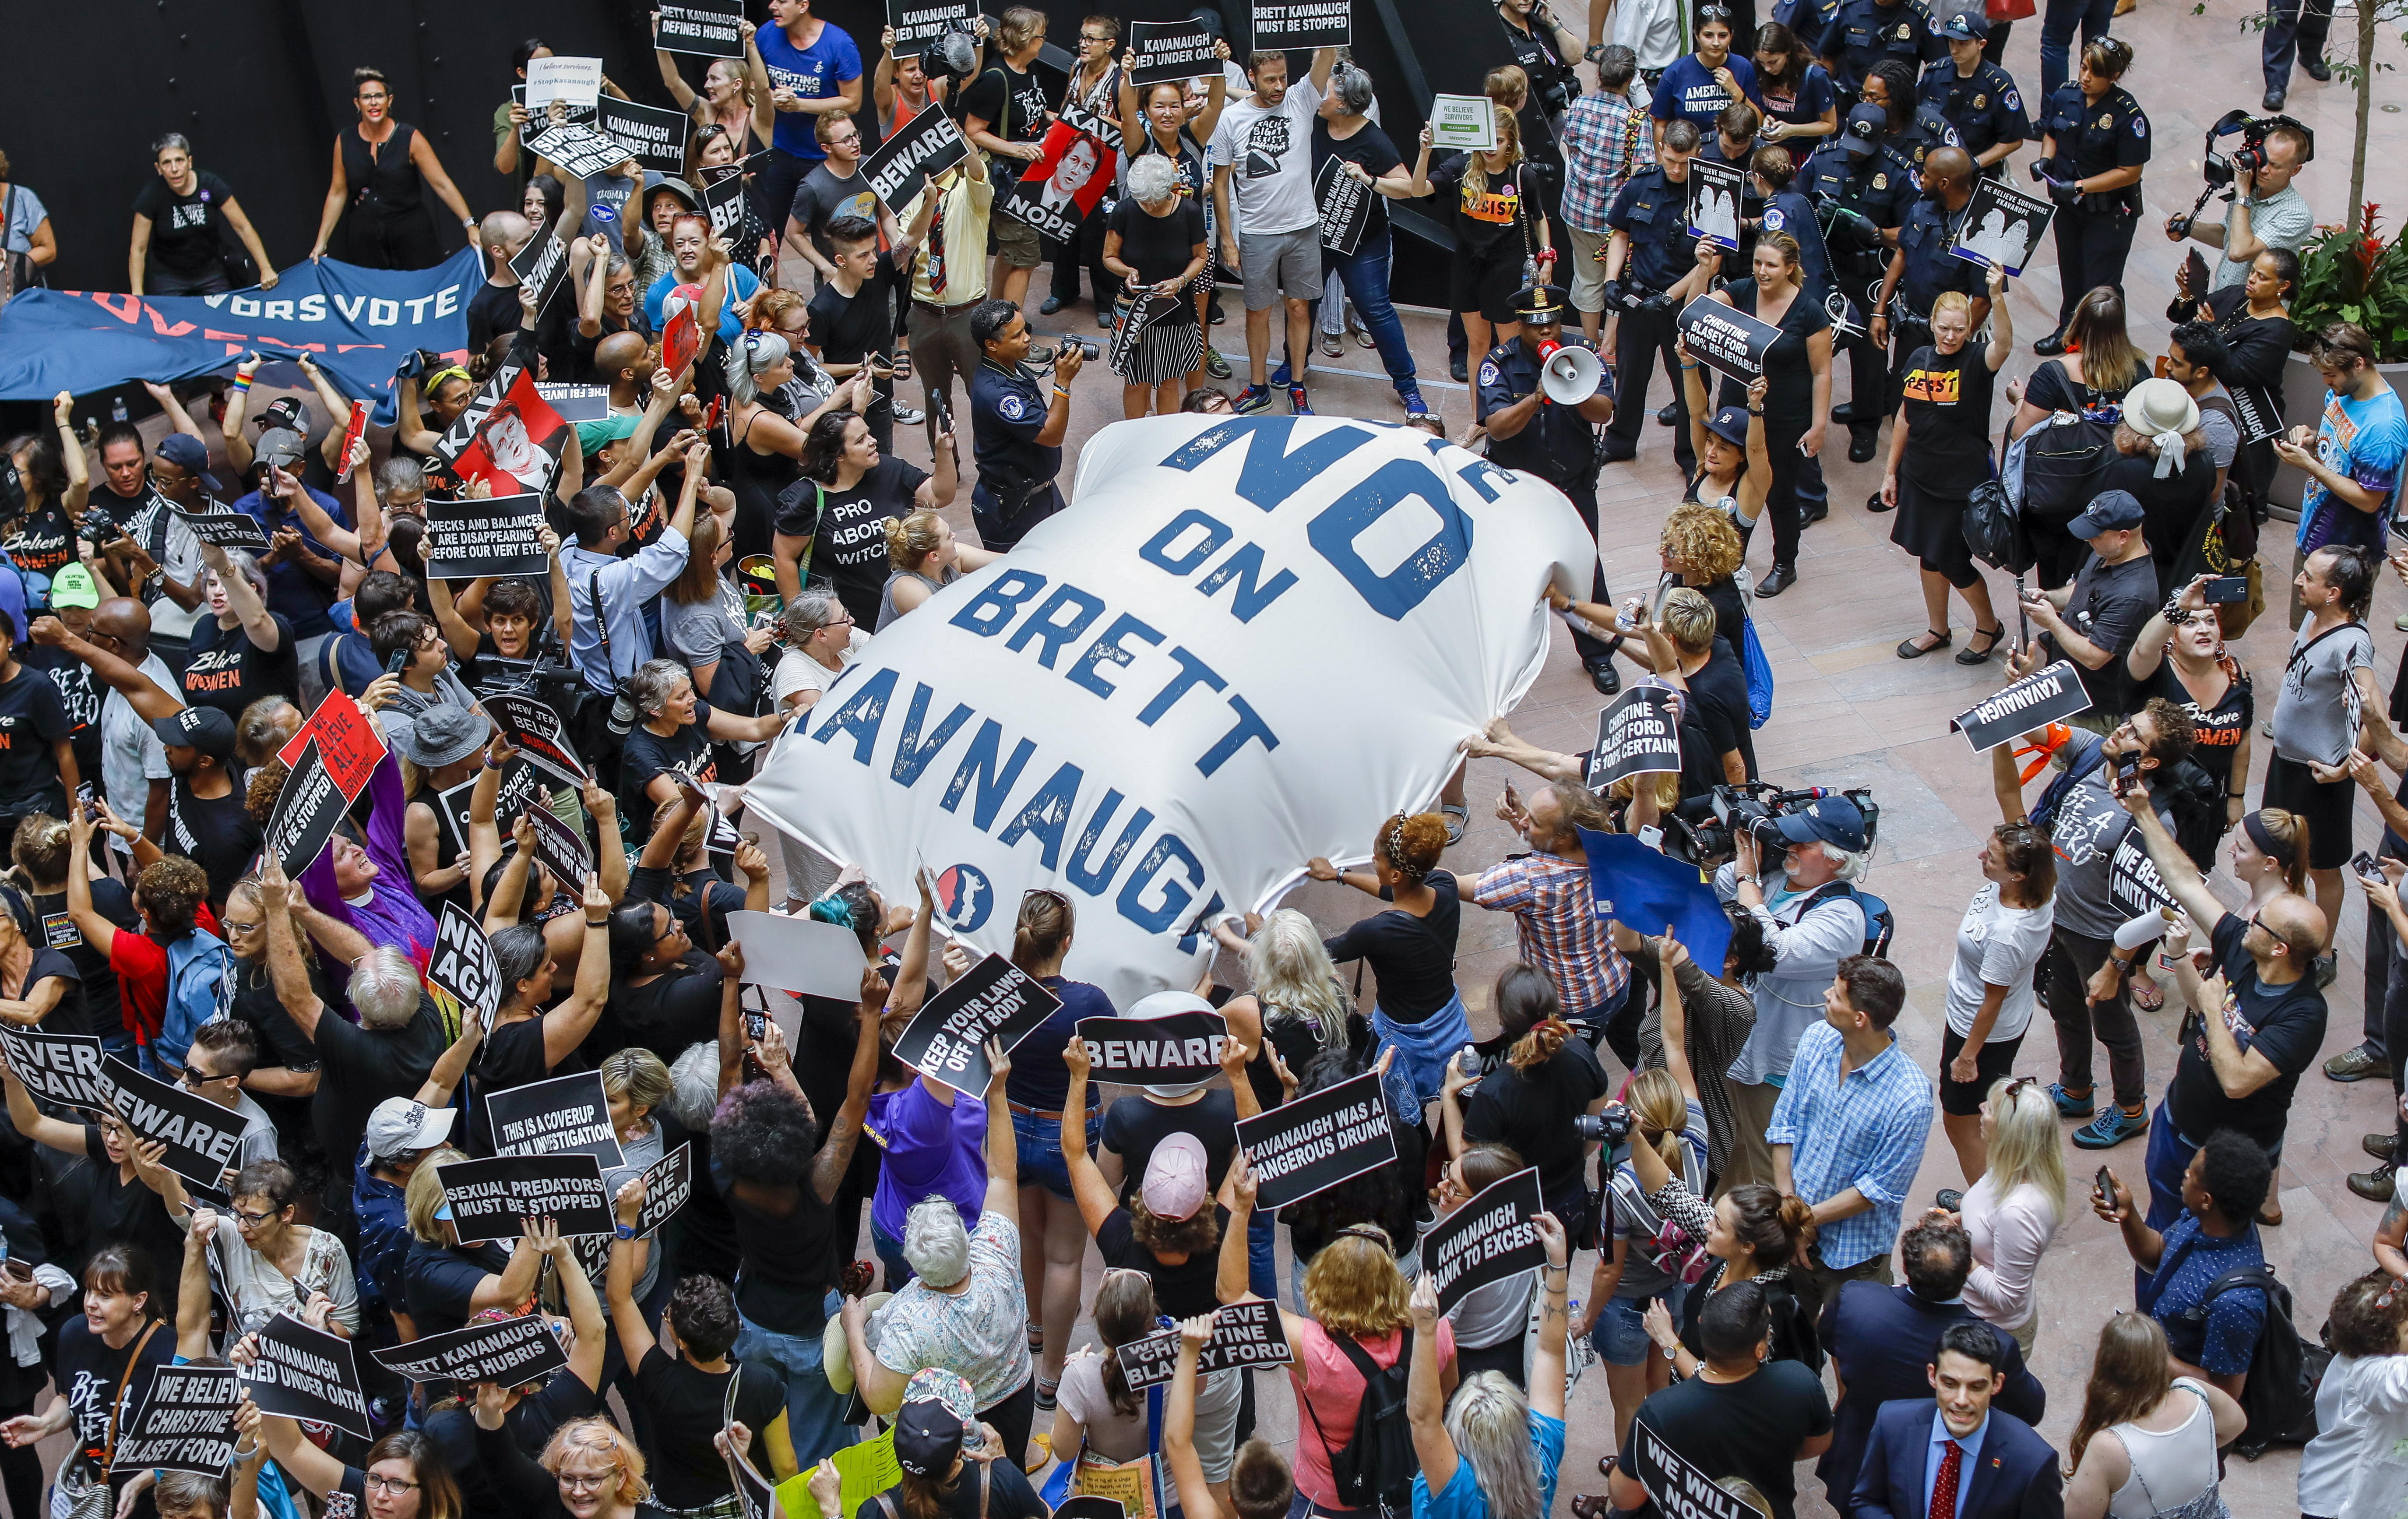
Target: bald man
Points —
{"points": [[625, 362], [495, 308]]}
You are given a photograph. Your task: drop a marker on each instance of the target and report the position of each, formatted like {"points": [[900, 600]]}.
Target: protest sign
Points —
{"points": [[349, 743], [225, 527], [575, 403], [1489, 1238], [539, 121], [946, 1039], [200, 1137], [928, 143], [542, 267], [57, 1067], [681, 335], [508, 1352], [353, 431], [1172, 50], [456, 438], [1462, 124], [1140, 312], [306, 811], [1639, 735], [920, 22], [1346, 204], [757, 1496], [704, 28], [669, 1181], [2133, 884], [1676, 1485], [1303, 23], [1155, 1052], [1715, 193], [1725, 339], [1245, 1334], [576, 82], [463, 966], [723, 199], [561, 849], [799, 954], [308, 1374], [493, 1199], [655, 134], [2046, 696], [568, 1116], [1072, 173], [517, 787], [2003, 224], [2257, 410], [470, 540], [1315, 1142], [1645, 889], [185, 1423], [518, 443], [536, 731], [578, 148]]}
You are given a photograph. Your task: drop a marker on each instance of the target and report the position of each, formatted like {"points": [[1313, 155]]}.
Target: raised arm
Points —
{"points": [[1554, 1319], [257, 623], [635, 1340], [1002, 1146], [1088, 1188], [836, 1154], [565, 1027], [1195, 1496], [1424, 1403], [30, 1122]]}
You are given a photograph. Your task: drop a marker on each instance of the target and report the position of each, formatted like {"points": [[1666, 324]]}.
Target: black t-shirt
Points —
{"points": [[675, 1008], [127, 1211], [2109, 605], [44, 541], [1533, 1112], [1492, 221], [1182, 1291], [2220, 731], [845, 328], [92, 1376], [1134, 1126], [783, 1287], [282, 1045], [1947, 401], [183, 228], [50, 965], [491, 311], [216, 833], [1750, 1428], [1160, 248], [853, 532], [646, 754], [1789, 400], [360, 1068], [229, 672], [1010, 101], [1414, 957], [441, 1281], [1720, 689], [81, 692], [2285, 1024], [687, 1408], [1370, 148], [513, 1057], [31, 719], [102, 1006]]}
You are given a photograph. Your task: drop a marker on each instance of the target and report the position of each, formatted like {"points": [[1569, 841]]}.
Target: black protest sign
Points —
{"points": [[185, 1423], [2133, 885], [467, 541], [928, 143], [542, 267], [1675, 1484], [575, 403], [655, 134], [723, 199], [669, 1181], [705, 28], [305, 1373], [1140, 314], [568, 1116], [491, 1199], [540, 121], [2255, 410], [517, 788], [2043, 697], [306, 811], [1346, 204], [755, 1494], [2002, 225], [578, 150], [560, 848], [536, 731], [463, 966], [1725, 339], [1172, 50], [510, 1353], [1317, 1141], [1715, 192], [200, 1137], [1303, 23], [1639, 735], [226, 527], [1155, 1052], [1245, 1334], [1489, 1240], [1090, 1506], [946, 1039], [918, 21], [57, 1067]]}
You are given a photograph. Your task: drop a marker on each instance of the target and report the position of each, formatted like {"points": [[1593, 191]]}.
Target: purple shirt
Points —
{"points": [[930, 1151], [392, 914]]}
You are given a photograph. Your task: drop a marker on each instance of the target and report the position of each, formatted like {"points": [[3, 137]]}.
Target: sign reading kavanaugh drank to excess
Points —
{"points": [[509, 1353], [2043, 697], [1637, 735], [917, 21], [946, 1039], [306, 1373], [1303, 23], [1315, 1142], [568, 1116], [705, 28], [1243, 1334], [496, 535], [493, 1199], [185, 1424], [928, 143], [1489, 1240], [1155, 1052]]}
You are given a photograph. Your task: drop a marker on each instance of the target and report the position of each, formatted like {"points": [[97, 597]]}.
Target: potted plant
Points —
{"points": [[2346, 274]]}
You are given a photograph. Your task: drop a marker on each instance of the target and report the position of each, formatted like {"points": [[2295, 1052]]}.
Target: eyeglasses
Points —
{"points": [[389, 1486], [254, 1220], [241, 927], [575, 1483], [189, 1077], [1090, 36]]}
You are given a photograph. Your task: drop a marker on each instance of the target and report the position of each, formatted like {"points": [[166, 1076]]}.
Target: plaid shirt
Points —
{"points": [[1556, 921], [1865, 1131], [1606, 141]]}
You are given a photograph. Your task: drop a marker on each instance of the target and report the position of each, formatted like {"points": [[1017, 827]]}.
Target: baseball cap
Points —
{"points": [[656, 179], [1834, 820], [927, 1432], [1866, 123], [592, 436], [73, 586], [278, 446], [2108, 510], [1168, 1005], [1967, 26], [284, 412], [400, 1127], [204, 728], [184, 452], [444, 735], [1174, 1178], [1730, 425]]}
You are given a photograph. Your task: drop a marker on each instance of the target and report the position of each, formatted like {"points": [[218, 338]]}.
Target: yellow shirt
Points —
{"points": [[965, 207]]}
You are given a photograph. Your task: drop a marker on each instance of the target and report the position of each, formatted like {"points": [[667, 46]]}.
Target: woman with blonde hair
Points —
{"points": [[1945, 407], [588, 1469], [2012, 1210], [403, 1476], [636, 1083], [1297, 1007], [2163, 1432], [926, 558], [1499, 221], [1410, 946], [1504, 1445]]}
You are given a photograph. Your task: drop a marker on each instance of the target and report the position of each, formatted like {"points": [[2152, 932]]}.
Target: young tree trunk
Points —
{"points": [[2366, 16]]}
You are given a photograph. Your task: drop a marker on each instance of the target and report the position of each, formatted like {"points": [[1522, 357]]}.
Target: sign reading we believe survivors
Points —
{"points": [[1313, 1143]]}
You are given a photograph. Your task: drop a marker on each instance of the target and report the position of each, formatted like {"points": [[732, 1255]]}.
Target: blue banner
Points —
{"points": [[356, 324], [1645, 889]]}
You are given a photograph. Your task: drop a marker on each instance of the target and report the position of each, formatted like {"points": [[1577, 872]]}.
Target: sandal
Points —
{"points": [[1971, 656], [1459, 818], [1605, 1465], [2148, 995], [1911, 649], [1592, 1505]]}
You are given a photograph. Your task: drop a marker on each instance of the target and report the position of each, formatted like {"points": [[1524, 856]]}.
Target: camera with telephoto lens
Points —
{"points": [[1705, 830], [1612, 1125], [2219, 164]]}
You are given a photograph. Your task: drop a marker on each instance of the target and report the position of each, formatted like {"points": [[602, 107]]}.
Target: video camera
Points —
{"points": [[2220, 165], [1705, 830], [950, 55], [1622, 297]]}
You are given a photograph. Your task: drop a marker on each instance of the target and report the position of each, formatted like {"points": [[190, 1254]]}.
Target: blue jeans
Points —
{"points": [[1620, 1333], [2170, 1152], [1262, 1256], [889, 1250], [814, 1412], [2056, 24], [1039, 1143], [1365, 275]]}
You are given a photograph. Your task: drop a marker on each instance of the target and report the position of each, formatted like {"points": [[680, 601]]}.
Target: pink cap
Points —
{"points": [[1174, 1178]]}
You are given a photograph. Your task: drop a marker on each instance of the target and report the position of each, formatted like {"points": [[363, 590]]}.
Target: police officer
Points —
{"points": [[1922, 268], [1912, 126], [1651, 271], [1975, 96], [1859, 196], [1015, 431], [1533, 435], [1774, 175], [1865, 32], [1807, 20], [2094, 139], [1734, 143]]}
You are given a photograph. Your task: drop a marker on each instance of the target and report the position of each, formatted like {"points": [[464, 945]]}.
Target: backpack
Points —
{"points": [[1760, 674], [1880, 925], [1994, 531], [1670, 1247], [1375, 1469], [2284, 1370], [2053, 471]]}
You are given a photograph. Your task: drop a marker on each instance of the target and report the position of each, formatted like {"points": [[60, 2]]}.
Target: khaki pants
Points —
{"points": [[1751, 1158], [1828, 1281]]}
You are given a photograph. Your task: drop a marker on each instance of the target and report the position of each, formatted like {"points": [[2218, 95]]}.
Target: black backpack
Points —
{"points": [[1375, 1470], [2280, 1396]]}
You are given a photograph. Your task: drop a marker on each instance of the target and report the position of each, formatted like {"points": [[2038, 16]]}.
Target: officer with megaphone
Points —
{"points": [[1542, 395]]}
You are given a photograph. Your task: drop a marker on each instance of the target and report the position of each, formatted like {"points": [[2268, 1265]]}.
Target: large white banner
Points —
{"points": [[1250, 641]]}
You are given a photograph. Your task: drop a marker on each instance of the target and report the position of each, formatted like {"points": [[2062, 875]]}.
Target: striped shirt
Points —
{"points": [[1557, 925], [1606, 140], [1864, 1130]]}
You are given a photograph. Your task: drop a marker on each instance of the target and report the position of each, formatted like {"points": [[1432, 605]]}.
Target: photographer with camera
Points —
{"points": [[2264, 210]]}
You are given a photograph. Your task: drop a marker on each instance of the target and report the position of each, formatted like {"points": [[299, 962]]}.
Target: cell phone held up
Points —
{"points": [[2367, 868], [2106, 1185], [2225, 589]]}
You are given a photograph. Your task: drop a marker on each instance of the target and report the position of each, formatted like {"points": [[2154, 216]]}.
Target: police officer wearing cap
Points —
{"points": [[1651, 272], [1016, 429], [2094, 140], [1531, 435], [1975, 96], [1860, 194], [1865, 32], [1922, 269]]}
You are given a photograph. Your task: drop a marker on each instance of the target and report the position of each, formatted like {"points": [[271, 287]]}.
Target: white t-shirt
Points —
{"points": [[1269, 154], [798, 671], [1996, 946]]}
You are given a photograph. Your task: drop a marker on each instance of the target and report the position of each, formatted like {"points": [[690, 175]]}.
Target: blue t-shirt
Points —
{"points": [[815, 73], [301, 596], [1038, 1079], [2362, 441], [1689, 89], [741, 283], [1461, 1499], [2224, 1345]]}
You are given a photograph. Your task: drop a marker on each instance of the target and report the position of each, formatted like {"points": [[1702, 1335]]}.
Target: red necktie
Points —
{"points": [[1944, 1487]]}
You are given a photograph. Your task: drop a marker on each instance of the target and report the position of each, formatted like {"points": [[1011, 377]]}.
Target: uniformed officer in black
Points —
{"points": [[1530, 434], [1807, 20], [1922, 269], [1015, 431], [2094, 140], [1976, 96], [1651, 270], [1911, 126], [1861, 197], [1865, 32]]}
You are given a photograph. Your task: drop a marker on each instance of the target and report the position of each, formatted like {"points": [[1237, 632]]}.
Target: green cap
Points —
{"points": [[73, 586], [592, 436]]}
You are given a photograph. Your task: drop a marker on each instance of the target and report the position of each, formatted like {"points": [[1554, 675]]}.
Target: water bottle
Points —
{"points": [[117, 406]]}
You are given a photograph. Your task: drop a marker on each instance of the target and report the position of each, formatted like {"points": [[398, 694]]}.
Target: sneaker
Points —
{"points": [[1362, 338], [1252, 399], [2381, 1146], [2111, 1127], [2376, 1185], [1415, 406], [1281, 379], [1103, 316], [1216, 365], [1333, 344], [2068, 1105], [2356, 1064], [910, 416], [1296, 403]]}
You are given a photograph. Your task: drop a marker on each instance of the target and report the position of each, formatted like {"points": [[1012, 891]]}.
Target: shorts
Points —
{"points": [[2327, 805], [1040, 1151], [1273, 262], [1588, 271], [1997, 1059], [1620, 1333], [1485, 285], [1018, 242]]}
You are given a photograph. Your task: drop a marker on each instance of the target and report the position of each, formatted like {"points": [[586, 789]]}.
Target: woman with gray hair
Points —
{"points": [[822, 638], [241, 651], [1154, 241], [180, 223], [677, 729], [765, 446], [1367, 157], [1495, 1449]]}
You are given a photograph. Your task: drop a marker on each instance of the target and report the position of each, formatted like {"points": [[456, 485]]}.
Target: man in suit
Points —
{"points": [[1963, 1459], [1883, 1338]]}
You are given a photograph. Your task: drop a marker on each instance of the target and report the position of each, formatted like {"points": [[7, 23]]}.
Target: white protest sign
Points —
{"points": [[800, 955], [575, 82], [1462, 124]]}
